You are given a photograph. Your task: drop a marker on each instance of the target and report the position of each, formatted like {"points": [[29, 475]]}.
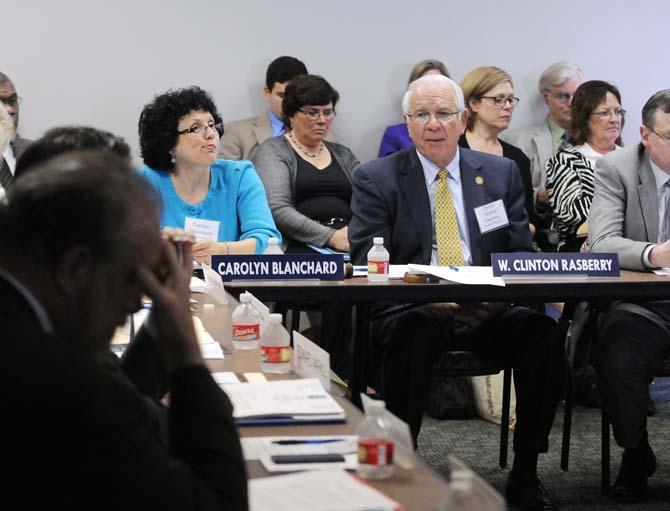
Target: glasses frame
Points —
{"points": [[500, 102], [202, 128], [606, 114], [12, 100], [563, 97], [415, 117], [315, 114], [664, 139]]}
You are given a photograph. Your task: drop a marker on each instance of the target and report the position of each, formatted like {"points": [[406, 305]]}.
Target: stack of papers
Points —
{"points": [[320, 490], [474, 275], [283, 402]]}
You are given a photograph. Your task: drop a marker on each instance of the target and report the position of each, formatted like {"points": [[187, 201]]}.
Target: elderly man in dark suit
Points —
{"points": [[79, 246], [422, 201], [630, 215], [10, 100]]}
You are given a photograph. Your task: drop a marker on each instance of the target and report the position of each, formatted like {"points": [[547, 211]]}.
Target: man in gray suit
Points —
{"points": [[630, 215], [10, 100], [242, 138], [557, 85]]}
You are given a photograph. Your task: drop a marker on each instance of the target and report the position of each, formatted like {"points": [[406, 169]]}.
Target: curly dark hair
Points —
{"points": [[586, 99], [159, 121], [307, 90]]}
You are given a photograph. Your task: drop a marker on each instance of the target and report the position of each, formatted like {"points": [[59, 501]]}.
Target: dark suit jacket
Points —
{"points": [[19, 145], [80, 436], [390, 200]]}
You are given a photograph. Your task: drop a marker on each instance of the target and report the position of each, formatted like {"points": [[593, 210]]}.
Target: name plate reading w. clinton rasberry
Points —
{"points": [[519, 264], [279, 267]]}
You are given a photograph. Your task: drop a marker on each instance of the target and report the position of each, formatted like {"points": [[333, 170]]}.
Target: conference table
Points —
{"points": [[420, 488], [363, 294]]}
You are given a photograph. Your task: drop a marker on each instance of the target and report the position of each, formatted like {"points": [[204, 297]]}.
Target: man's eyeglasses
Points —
{"points": [[563, 97], [424, 117], [11, 100], [202, 128], [664, 138], [605, 114], [314, 114], [501, 101]]}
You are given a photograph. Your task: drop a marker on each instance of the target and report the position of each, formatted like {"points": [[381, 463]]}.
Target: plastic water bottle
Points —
{"points": [[378, 261], [273, 247], [461, 495], [246, 325], [375, 446], [275, 347]]}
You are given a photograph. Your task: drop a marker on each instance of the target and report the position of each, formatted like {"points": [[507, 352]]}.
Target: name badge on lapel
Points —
{"points": [[491, 216]]}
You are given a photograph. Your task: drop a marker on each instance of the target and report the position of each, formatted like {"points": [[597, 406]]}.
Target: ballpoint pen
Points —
{"points": [[452, 267], [307, 441]]}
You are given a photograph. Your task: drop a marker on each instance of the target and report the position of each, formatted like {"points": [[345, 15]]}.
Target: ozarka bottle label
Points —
{"points": [[378, 267], [246, 332], [375, 451], [275, 354]]}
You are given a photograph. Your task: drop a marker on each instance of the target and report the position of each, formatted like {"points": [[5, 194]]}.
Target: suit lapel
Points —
{"points": [[413, 188], [474, 195], [648, 197], [261, 128]]}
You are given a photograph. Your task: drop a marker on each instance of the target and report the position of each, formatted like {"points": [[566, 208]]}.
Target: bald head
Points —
{"points": [[437, 82]]}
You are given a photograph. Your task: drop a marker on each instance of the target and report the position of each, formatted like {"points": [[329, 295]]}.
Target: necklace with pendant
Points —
{"points": [[303, 150]]}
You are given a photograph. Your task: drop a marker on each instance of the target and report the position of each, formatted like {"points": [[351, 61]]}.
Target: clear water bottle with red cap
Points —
{"points": [[246, 324], [375, 445], [378, 261], [275, 347]]}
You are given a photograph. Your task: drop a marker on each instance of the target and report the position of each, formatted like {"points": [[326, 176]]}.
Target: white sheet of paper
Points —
{"points": [[282, 397], [198, 285], [481, 275], [222, 377], [254, 448], [310, 360], [215, 287], [662, 271], [316, 490], [491, 216], [211, 351], [202, 229], [260, 307], [255, 377]]}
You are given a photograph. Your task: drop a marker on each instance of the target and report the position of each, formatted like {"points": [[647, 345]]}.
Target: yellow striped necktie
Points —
{"points": [[449, 250]]}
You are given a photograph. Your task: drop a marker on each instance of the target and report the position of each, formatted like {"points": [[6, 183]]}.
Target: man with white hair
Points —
{"points": [[422, 201], [16, 146], [557, 85]]}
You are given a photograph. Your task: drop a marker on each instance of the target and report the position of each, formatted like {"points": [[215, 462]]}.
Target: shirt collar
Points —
{"points": [[555, 128], [276, 123], [430, 170], [38, 309], [660, 176]]}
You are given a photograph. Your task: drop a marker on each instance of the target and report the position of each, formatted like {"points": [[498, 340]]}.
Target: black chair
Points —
{"points": [[571, 340], [466, 363]]}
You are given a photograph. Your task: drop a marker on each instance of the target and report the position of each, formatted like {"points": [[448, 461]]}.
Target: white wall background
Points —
{"points": [[98, 62]]}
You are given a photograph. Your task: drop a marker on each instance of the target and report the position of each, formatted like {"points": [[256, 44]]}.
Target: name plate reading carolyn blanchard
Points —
{"points": [[520, 264], [279, 267]]}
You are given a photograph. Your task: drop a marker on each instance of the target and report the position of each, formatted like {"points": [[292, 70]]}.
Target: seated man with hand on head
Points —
{"points": [[86, 435], [242, 138], [630, 215], [421, 200]]}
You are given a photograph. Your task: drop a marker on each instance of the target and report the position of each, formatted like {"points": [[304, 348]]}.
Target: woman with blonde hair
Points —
{"points": [[490, 101]]}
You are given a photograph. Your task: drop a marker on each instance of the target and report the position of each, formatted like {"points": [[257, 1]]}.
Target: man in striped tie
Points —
{"points": [[422, 201], [10, 100], [630, 215]]}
